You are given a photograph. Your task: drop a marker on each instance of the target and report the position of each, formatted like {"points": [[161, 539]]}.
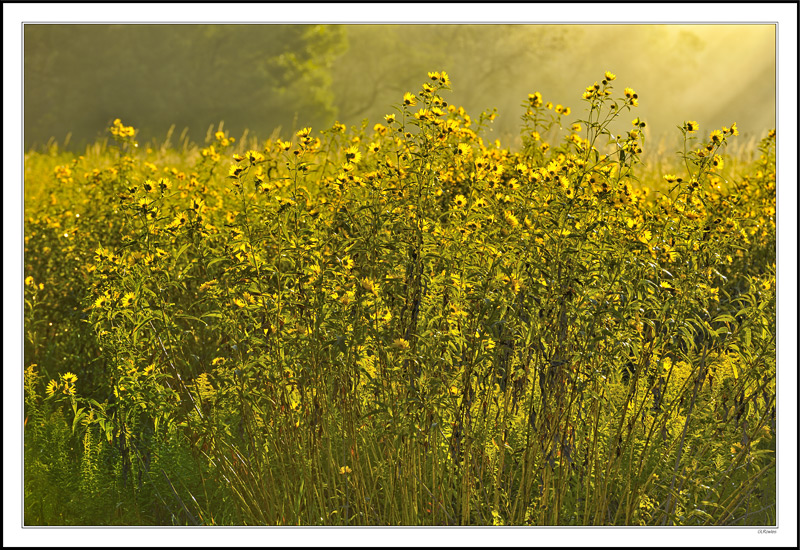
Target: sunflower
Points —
{"points": [[128, 299], [101, 302], [511, 219], [235, 171], [352, 155], [254, 157], [401, 344], [370, 285]]}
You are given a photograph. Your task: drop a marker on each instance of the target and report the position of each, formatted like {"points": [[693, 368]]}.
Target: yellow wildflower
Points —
{"points": [[511, 219], [352, 155], [401, 344]]}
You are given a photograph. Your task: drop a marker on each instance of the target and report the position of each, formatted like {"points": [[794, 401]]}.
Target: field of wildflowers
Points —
{"points": [[403, 324]]}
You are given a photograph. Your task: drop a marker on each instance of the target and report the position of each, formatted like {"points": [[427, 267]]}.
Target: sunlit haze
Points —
{"points": [[276, 78]]}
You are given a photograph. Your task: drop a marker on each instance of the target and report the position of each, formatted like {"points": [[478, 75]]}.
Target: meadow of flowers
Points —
{"points": [[403, 324]]}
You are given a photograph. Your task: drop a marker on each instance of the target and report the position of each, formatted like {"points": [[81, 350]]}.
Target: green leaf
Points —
{"points": [[79, 414], [746, 337], [191, 318], [139, 325], [182, 250], [214, 261]]}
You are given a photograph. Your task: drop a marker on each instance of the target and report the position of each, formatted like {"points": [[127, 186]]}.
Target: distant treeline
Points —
{"points": [[267, 78], [78, 78]]}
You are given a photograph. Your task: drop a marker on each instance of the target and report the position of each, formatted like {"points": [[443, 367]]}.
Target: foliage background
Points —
{"points": [[261, 77]]}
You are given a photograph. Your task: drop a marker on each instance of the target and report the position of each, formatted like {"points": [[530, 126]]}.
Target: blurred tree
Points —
{"points": [[80, 77]]}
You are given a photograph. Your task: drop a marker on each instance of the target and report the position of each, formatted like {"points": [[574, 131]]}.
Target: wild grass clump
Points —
{"points": [[403, 325]]}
